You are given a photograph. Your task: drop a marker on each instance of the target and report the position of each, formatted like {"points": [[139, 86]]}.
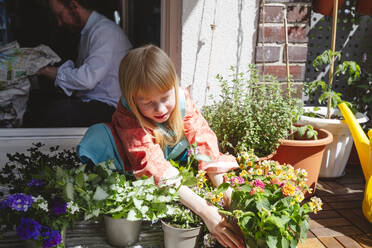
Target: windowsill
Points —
{"points": [[34, 133]]}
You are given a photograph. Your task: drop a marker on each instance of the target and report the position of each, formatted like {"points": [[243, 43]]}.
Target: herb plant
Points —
{"points": [[252, 112]]}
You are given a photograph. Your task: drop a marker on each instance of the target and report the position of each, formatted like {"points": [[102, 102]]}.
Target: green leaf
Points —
{"points": [[272, 241], [69, 191], [222, 188], [100, 194], [80, 179], [285, 242]]}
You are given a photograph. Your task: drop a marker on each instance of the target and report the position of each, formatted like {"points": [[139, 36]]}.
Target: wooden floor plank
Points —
{"points": [[348, 242], [330, 242], [356, 219], [363, 240], [311, 243], [329, 222], [336, 231]]}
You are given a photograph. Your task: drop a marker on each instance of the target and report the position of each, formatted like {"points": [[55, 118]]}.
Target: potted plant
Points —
{"points": [[325, 7], [182, 227], [37, 207], [305, 151], [267, 202], [249, 114], [329, 117], [131, 202]]}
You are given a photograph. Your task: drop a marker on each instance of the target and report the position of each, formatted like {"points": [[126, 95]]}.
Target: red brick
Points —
{"points": [[280, 71], [298, 34], [272, 54], [296, 54], [276, 34], [298, 13], [273, 14], [272, 34]]}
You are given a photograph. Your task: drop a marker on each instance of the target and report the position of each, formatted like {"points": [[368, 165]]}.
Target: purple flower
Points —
{"points": [[51, 238], [20, 202], [192, 151], [59, 207], [28, 229], [35, 183]]}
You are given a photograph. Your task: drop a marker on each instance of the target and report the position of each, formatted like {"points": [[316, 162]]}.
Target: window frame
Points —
{"points": [[171, 16]]}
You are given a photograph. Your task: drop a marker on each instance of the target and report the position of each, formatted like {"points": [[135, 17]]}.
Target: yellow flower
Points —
{"points": [[249, 163], [299, 197], [242, 166], [315, 204], [288, 190], [200, 184], [243, 173], [259, 171], [238, 159]]}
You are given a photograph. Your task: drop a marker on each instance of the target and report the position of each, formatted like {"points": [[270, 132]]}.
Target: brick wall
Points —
{"points": [[271, 58]]}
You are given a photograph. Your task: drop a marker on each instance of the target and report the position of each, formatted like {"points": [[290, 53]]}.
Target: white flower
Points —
{"points": [[72, 207], [41, 203]]}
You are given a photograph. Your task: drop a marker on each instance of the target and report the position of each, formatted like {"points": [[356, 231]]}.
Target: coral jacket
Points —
{"points": [[143, 156]]}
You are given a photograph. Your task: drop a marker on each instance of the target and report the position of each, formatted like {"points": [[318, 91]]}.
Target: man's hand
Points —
{"points": [[48, 71]]}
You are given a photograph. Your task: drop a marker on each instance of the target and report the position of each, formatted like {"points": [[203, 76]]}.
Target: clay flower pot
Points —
{"points": [[364, 7], [325, 7], [305, 154]]}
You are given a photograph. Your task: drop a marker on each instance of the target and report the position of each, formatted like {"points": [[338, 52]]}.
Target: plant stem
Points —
{"points": [[333, 47]]}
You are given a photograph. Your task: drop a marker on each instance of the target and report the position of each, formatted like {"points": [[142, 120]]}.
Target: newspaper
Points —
{"points": [[16, 64]]}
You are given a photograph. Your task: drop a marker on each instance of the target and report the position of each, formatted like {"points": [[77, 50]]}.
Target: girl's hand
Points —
{"points": [[227, 234]]}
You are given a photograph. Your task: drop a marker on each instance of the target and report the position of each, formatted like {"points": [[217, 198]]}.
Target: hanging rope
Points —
{"points": [[213, 27], [263, 36]]}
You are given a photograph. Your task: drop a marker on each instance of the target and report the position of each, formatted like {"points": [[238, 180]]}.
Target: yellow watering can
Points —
{"points": [[364, 149]]}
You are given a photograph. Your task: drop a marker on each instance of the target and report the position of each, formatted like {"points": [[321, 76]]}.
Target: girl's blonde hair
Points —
{"points": [[147, 69]]}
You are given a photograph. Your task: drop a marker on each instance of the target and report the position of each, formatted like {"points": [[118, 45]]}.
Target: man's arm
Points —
{"points": [[48, 71]]}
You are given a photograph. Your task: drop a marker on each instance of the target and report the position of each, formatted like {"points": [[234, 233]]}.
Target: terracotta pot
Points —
{"points": [[305, 154], [364, 7], [325, 7]]}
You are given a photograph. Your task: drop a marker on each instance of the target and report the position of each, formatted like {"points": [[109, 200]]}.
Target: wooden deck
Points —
{"points": [[340, 223]]}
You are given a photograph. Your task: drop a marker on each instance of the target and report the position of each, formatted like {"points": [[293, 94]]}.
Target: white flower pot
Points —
{"points": [[179, 237], [122, 232], [337, 153]]}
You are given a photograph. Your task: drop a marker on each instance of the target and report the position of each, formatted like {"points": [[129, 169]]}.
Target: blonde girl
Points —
{"points": [[156, 120]]}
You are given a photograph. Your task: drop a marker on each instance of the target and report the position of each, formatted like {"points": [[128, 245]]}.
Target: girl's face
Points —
{"points": [[158, 106]]}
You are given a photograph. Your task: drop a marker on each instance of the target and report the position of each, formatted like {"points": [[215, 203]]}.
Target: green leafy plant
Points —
{"points": [[139, 200], [252, 112], [267, 202], [328, 95]]}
